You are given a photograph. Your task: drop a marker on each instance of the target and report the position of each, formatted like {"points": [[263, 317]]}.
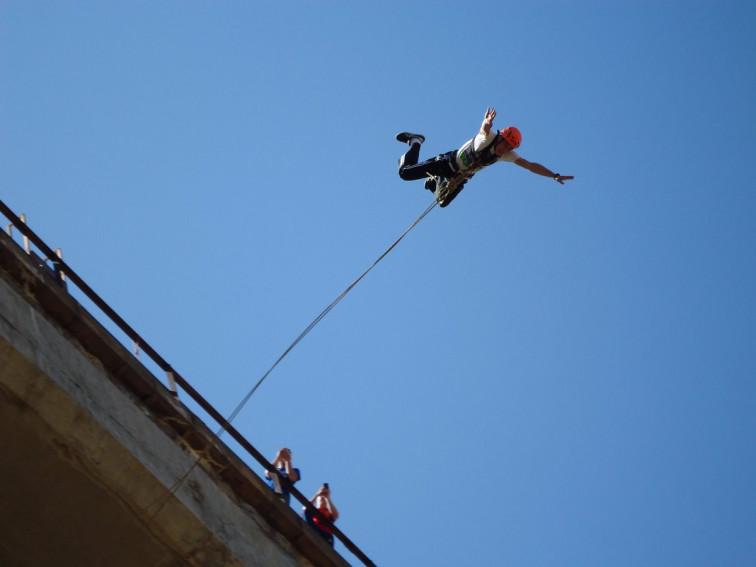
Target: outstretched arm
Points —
{"points": [[485, 128], [542, 170]]}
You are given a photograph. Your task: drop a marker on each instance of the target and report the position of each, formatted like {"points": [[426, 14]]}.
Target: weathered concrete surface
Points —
{"points": [[91, 445]]}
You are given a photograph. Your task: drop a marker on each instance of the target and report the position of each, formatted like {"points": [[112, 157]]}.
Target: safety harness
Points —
{"points": [[474, 161]]}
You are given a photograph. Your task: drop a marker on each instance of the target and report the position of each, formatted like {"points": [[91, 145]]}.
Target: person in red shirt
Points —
{"points": [[322, 501]]}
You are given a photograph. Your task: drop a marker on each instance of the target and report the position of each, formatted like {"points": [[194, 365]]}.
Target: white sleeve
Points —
{"points": [[482, 140]]}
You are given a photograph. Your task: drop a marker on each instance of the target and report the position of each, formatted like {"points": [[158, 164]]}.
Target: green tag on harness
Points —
{"points": [[464, 158]]}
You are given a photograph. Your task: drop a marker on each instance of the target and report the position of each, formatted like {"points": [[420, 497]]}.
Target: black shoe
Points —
{"points": [[430, 184], [405, 137]]}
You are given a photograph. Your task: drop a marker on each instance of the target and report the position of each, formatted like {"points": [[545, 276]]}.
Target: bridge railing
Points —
{"points": [[64, 275]]}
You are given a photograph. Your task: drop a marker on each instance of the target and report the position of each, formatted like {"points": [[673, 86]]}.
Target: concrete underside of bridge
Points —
{"points": [[92, 447], [56, 507]]}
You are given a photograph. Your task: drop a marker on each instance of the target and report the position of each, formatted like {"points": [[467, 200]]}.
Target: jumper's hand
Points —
{"points": [[562, 178], [488, 120]]}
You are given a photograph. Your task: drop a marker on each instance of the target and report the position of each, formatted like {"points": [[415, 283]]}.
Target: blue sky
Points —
{"points": [[538, 375]]}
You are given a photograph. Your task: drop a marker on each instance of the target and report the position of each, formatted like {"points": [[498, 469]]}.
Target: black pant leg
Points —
{"points": [[440, 166]]}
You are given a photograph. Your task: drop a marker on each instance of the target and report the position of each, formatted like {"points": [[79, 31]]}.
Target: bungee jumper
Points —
{"points": [[447, 173]]}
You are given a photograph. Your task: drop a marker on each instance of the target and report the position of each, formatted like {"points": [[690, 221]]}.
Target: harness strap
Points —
{"points": [[477, 159]]}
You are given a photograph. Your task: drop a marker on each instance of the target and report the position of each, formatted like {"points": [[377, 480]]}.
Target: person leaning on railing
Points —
{"points": [[322, 501], [282, 463]]}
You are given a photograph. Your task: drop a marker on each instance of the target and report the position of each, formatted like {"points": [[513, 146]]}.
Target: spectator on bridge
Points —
{"points": [[282, 464], [322, 501]]}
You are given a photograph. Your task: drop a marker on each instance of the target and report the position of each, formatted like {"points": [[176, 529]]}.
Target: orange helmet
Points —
{"points": [[511, 135]]}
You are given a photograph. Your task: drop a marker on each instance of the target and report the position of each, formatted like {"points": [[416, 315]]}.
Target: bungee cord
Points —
{"points": [[320, 317], [163, 500]]}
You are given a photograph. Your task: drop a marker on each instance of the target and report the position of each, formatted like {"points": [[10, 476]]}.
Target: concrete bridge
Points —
{"points": [[92, 444]]}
